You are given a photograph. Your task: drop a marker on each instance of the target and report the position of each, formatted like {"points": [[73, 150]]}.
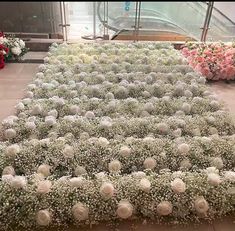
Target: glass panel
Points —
{"points": [[222, 26]]}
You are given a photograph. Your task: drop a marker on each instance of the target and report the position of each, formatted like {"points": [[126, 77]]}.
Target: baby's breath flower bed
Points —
{"points": [[113, 132]]}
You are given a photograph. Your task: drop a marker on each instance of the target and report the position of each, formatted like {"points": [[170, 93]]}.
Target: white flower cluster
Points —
{"points": [[116, 131]]}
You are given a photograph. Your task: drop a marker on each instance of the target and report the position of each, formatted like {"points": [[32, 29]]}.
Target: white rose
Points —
{"points": [[18, 182], [16, 50], [10, 133], [103, 142], [150, 163], [164, 208], [105, 124], [178, 186], [19, 106], [107, 190], [148, 140], [163, 128], [145, 185], [44, 169], [125, 151], [230, 176], [177, 132], [29, 94], [12, 150], [68, 152], [183, 148], [8, 170], [213, 179], [80, 212], [217, 162], [53, 113], [36, 110], [124, 210], [44, 186], [30, 125], [76, 182], [79, 171], [201, 205], [50, 120], [139, 175], [115, 166], [211, 170], [74, 109], [43, 217], [90, 115], [186, 108]]}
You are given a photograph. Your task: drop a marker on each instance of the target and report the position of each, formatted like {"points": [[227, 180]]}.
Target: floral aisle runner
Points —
{"points": [[112, 132]]}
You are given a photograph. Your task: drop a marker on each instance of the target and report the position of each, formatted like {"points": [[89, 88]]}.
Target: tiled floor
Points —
{"points": [[13, 81]]}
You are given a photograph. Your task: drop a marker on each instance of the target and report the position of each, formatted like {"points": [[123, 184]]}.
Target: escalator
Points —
{"points": [[166, 21]]}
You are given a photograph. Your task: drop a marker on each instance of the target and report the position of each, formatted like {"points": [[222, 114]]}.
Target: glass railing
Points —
{"points": [[185, 18]]}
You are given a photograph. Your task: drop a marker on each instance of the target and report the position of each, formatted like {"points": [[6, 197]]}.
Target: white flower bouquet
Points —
{"points": [[16, 47]]}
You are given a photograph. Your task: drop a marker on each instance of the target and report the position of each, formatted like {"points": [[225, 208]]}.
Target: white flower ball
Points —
{"points": [[80, 212], [50, 120], [44, 187], [150, 163], [76, 182], [44, 169], [115, 166], [10, 133], [36, 110], [79, 171], [90, 115], [201, 205], [178, 186], [145, 185], [107, 190], [217, 162], [19, 182], [124, 210], [74, 109], [30, 125], [19, 106], [183, 148], [43, 217], [164, 208], [186, 108], [103, 142], [68, 152], [125, 151], [213, 179], [29, 94], [12, 150], [163, 128], [229, 176], [53, 113], [8, 170]]}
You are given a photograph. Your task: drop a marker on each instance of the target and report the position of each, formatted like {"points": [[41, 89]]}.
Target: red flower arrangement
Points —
{"points": [[3, 51]]}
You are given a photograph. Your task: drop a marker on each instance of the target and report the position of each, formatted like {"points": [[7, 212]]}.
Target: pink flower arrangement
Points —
{"points": [[215, 61]]}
